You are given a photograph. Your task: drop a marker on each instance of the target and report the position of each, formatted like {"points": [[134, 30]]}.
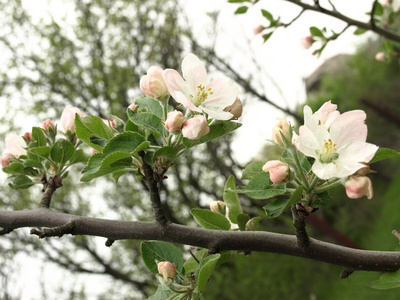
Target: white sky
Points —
{"points": [[281, 57]]}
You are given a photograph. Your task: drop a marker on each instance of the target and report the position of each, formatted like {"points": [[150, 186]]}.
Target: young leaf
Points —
{"points": [[205, 270], [266, 14], [43, 151], [242, 220], [252, 169], [162, 293], [241, 10], [276, 208], [153, 252], [261, 187], [88, 127], [38, 136], [21, 182], [267, 36], [15, 168], [322, 199], [360, 31], [384, 153], [386, 281], [210, 220], [316, 32], [238, 1], [216, 131], [152, 105], [167, 153], [191, 264], [231, 199], [62, 151], [148, 121]]}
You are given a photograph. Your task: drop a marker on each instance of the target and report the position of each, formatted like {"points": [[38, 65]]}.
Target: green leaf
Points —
{"points": [[43, 151], [191, 264], [216, 131], [167, 153], [15, 168], [384, 153], [104, 171], [147, 121], [241, 10], [38, 136], [360, 31], [162, 293], [153, 252], [266, 14], [238, 1], [322, 199], [386, 281], [252, 169], [267, 36], [152, 105], [242, 220], [231, 199], [378, 9], [261, 187], [276, 208], [205, 270], [62, 151], [33, 163], [131, 127], [91, 130], [79, 157], [21, 182], [316, 32], [210, 220]]}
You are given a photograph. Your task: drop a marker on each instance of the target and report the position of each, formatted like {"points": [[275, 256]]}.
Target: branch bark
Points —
{"points": [[350, 259], [334, 13]]}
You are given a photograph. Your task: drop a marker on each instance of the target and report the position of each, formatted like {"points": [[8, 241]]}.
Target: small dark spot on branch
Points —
{"points": [[55, 231], [109, 242], [345, 273]]}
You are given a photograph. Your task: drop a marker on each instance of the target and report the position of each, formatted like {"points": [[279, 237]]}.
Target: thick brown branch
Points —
{"points": [[350, 259], [152, 185], [333, 13], [49, 189]]}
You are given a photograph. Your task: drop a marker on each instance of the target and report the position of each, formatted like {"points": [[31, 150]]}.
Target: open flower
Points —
{"points": [[336, 141], [196, 93], [16, 145]]}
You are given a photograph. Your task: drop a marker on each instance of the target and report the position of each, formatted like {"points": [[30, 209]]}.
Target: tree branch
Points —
{"points": [[350, 259], [334, 13]]}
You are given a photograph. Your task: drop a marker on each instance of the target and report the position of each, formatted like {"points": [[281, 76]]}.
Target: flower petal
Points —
{"points": [[216, 113], [193, 71], [224, 93], [349, 127]]}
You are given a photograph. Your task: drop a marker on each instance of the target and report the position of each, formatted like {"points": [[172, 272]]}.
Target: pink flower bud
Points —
{"points": [[380, 56], [67, 122], [279, 130], [109, 123], [306, 42], [153, 83], [257, 29], [235, 109], [166, 269], [27, 135], [16, 145], [132, 106], [195, 127], [357, 187], [48, 125], [278, 171], [5, 159], [174, 121], [216, 206]]}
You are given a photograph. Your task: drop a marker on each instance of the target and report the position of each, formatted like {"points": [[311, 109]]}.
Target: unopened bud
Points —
{"points": [[48, 125], [5, 159], [257, 29], [174, 121], [67, 122], [235, 109], [27, 135], [280, 130], [217, 206], [195, 127], [359, 186], [166, 269], [278, 171], [306, 42], [132, 106], [16, 145], [153, 83], [380, 56]]}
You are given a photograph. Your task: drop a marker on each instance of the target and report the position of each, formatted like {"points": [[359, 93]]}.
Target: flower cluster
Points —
{"points": [[336, 145]]}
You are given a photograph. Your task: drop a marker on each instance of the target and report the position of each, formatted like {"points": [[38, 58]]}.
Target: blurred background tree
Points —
{"points": [[93, 58]]}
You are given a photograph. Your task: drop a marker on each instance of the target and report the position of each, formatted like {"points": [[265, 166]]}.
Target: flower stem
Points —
{"points": [[328, 185], [300, 169]]}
